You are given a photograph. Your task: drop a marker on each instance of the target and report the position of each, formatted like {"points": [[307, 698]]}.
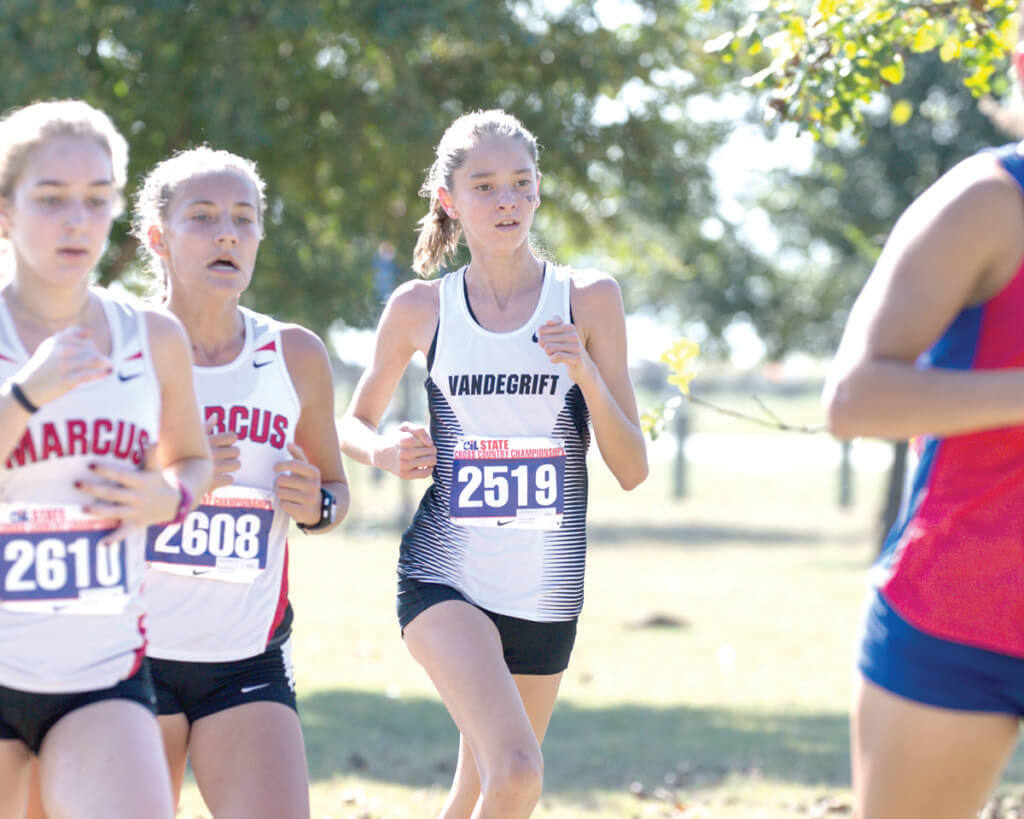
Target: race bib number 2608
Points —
{"points": [[225, 538], [515, 482]]}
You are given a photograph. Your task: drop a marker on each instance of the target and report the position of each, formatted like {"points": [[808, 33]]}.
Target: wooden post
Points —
{"points": [[679, 464], [845, 475]]}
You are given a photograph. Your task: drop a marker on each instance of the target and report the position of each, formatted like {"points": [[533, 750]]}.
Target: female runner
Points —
{"points": [[90, 382], [521, 355], [219, 618]]}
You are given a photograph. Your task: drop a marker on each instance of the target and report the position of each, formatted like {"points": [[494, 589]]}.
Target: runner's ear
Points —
{"points": [[155, 238]]}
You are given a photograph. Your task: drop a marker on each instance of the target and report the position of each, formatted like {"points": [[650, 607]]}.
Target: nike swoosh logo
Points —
{"points": [[257, 364], [504, 522], [535, 337], [201, 571], [246, 689], [123, 377], [57, 607]]}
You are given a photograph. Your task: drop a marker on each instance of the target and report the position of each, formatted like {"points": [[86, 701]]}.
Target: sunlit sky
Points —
{"points": [[745, 157]]}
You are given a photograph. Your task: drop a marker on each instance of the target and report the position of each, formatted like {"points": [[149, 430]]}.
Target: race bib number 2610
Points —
{"points": [[515, 482], [51, 561]]}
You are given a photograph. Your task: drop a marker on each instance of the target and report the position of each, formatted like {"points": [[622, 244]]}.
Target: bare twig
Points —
{"points": [[772, 421]]}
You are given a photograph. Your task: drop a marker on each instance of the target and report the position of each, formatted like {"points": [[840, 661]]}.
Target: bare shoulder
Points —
{"points": [[412, 312], [302, 343], [977, 193], [305, 356], [585, 277], [966, 227], [417, 299], [163, 326], [169, 347], [595, 294]]}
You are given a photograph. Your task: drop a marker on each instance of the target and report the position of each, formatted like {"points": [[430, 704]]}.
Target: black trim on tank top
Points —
{"points": [[469, 307], [465, 294], [433, 347]]}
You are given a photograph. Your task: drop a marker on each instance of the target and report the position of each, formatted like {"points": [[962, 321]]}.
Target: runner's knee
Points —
{"points": [[516, 777]]}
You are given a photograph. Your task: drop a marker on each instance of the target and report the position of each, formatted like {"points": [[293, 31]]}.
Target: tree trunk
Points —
{"points": [[894, 491]]}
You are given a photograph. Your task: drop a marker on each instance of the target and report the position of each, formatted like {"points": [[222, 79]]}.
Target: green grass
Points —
{"points": [[740, 710]]}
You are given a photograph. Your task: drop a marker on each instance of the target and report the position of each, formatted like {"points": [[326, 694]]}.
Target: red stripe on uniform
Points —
{"points": [[282, 599], [270, 347], [140, 652]]}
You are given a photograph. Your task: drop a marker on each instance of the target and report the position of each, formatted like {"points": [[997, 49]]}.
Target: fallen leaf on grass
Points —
{"points": [[829, 806], [353, 797], [656, 619], [366, 651]]}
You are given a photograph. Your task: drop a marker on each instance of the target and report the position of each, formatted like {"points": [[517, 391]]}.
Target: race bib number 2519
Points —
{"points": [[515, 482]]}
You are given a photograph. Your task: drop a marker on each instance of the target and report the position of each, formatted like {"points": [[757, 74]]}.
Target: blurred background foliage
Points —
{"points": [[341, 103], [830, 58]]}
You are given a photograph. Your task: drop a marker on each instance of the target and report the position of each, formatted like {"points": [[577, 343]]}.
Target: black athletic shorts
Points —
{"points": [[201, 689], [28, 717], [530, 647]]}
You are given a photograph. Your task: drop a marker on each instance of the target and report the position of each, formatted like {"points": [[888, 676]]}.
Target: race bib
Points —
{"points": [[51, 561], [225, 538], [513, 482]]}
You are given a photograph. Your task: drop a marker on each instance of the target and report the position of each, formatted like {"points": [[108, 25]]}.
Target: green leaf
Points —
{"points": [[893, 74], [902, 111], [950, 49], [827, 8]]}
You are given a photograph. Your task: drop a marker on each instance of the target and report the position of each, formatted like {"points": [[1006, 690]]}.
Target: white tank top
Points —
{"points": [[216, 588], [70, 614], [504, 521]]}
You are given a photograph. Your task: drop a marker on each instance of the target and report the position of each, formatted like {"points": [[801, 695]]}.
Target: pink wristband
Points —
{"points": [[184, 505]]}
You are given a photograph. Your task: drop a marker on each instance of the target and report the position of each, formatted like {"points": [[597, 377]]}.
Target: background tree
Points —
{"points": [[825, 68], [854, 191], [342, 101], [890, 89]]}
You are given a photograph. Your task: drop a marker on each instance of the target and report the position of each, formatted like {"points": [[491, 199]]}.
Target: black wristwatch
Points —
{"points": [[328, 511]]}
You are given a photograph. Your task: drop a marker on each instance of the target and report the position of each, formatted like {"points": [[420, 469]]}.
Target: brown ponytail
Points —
{"points": [[438, 239], [439, 233]]}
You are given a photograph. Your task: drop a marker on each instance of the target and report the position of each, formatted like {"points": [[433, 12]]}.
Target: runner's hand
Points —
{"points": [[562, 344], [62, 362], [297, 487], [408, 452], [136, 497], [226, 456]]}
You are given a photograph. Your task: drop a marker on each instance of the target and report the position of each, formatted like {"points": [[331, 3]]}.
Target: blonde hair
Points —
{"points": [[153, 200], [439, 233], [23, 130]]}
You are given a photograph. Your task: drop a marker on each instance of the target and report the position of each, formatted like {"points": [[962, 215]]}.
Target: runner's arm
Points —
{"points": [[956, 246]]}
